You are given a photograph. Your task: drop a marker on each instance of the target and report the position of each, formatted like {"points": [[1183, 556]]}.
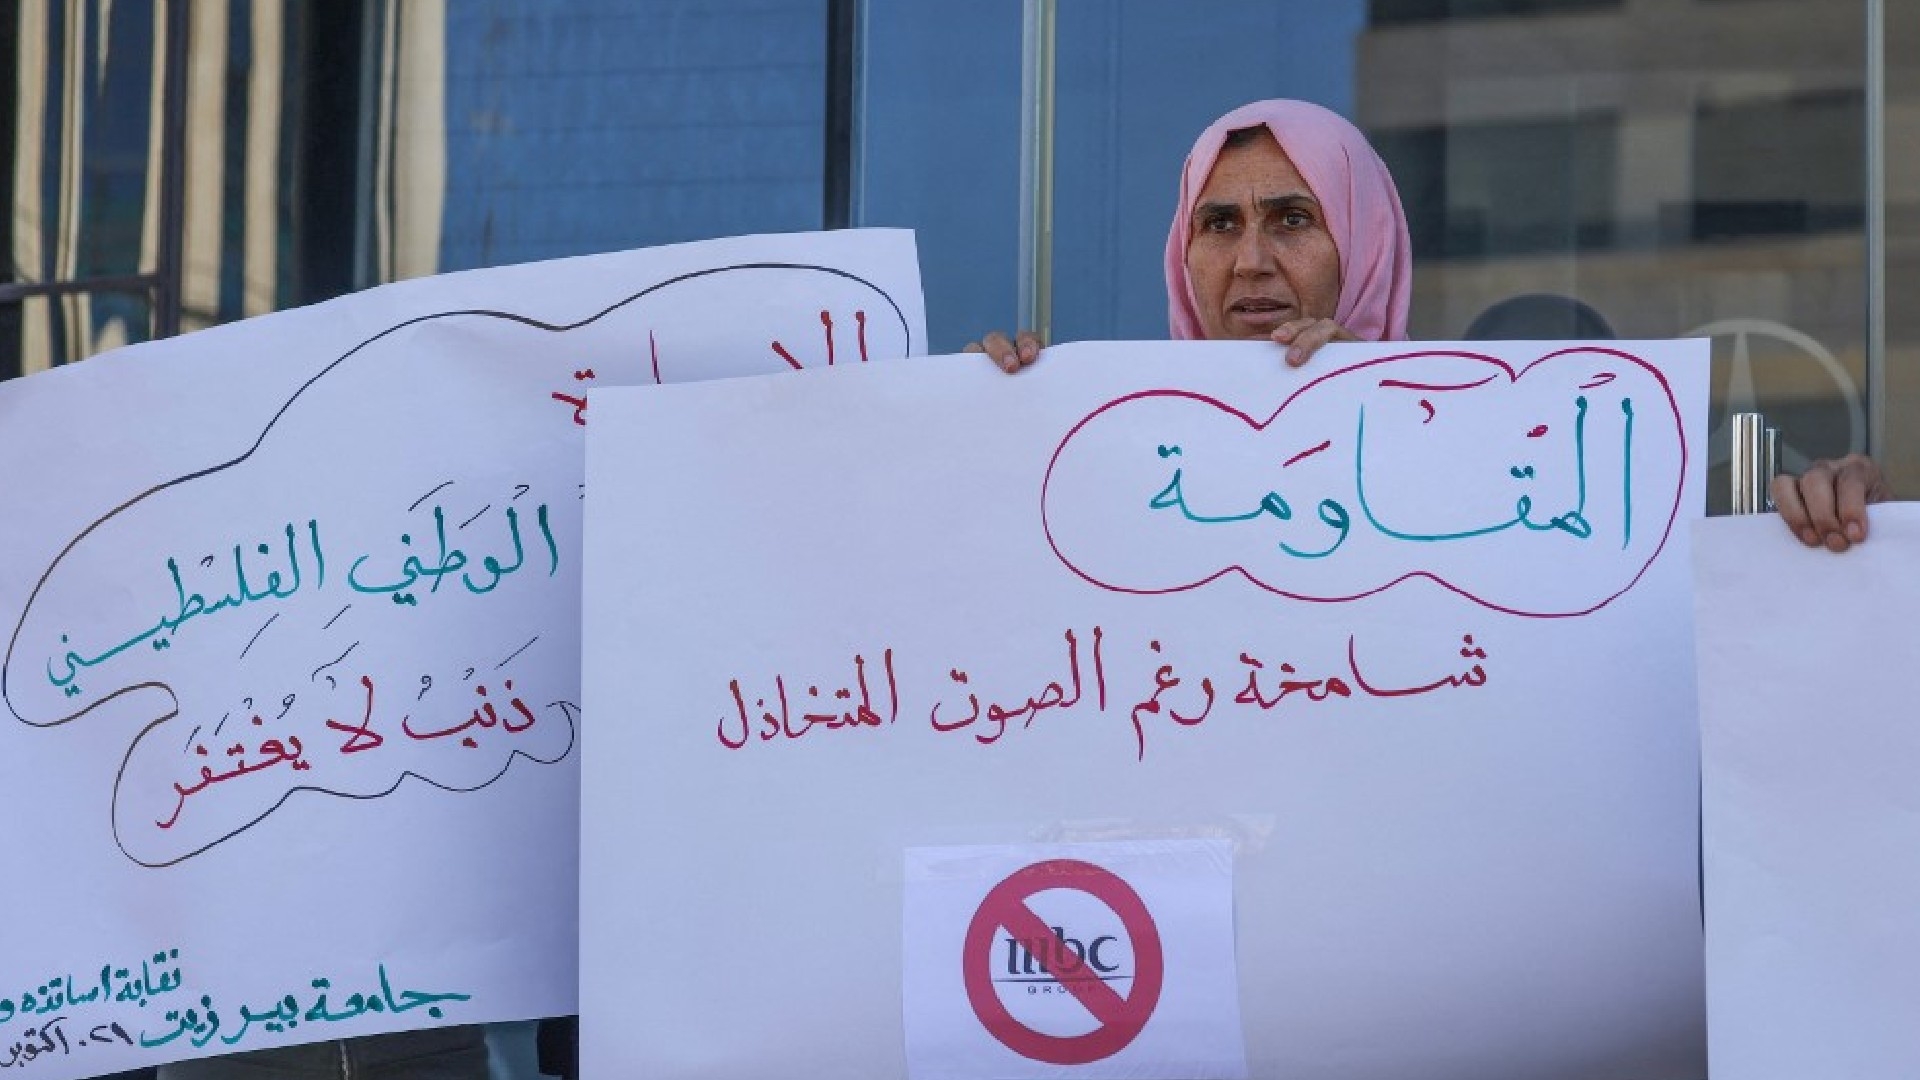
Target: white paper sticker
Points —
{"points": [[1082, 960]]}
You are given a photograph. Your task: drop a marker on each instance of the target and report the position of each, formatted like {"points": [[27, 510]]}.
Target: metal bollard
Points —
{"points": [[1769, 467], [1751, 467]]}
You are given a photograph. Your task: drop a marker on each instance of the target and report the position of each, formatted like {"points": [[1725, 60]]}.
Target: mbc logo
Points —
{"points": [[1058, 957]]}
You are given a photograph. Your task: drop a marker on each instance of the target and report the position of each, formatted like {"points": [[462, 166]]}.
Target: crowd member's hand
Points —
{"points": [[1826, 506], [1300, 337], [1303, 337], [1008, 354]]}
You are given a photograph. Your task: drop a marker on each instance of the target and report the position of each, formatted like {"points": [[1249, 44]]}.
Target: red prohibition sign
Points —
{"points": [[1120, 1018]]}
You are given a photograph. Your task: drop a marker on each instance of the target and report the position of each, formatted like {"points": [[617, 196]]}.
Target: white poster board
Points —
{"points": [[1408, 627], [1809, 758], [292, 668]]}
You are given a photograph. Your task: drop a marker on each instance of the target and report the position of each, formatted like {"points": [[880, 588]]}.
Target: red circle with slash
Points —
{"points": [[1120, 1018]]}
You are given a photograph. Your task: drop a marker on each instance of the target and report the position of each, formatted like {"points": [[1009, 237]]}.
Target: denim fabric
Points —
{"points": [[453, 1053]]}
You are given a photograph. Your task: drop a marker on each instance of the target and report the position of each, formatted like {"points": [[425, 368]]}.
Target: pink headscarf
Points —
{"points": [[1356, 193]]}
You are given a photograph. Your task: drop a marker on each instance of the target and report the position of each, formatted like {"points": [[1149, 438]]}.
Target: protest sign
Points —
{"points": [[1808, 754], [292, 673], [1407, 628]]}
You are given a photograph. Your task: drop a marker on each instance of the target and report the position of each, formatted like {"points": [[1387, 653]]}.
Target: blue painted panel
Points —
{"points": [[594, 125], [1136, 81]]}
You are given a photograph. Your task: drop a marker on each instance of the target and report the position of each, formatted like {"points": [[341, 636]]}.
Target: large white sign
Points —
{"points": [[1407, 628], [292, 667], [1809, 758]]}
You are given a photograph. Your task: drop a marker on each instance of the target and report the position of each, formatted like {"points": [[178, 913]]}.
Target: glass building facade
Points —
{"points": [[1745, 169]]}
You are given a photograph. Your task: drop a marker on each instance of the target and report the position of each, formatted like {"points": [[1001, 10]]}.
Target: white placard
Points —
{"points": [[293, 659], [1409, 628], [1071, 960], [1809, 754]]}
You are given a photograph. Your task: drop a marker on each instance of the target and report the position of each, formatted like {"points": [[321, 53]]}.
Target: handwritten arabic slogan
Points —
{"points": [[1591, 445], [53, 1031], [321, 629], [373, 579], [1112, 598]]}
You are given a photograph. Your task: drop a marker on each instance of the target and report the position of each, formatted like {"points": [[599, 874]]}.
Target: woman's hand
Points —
{"points": [[1009, 355], [1300, 337], [1303, 337], [1826, 506]]}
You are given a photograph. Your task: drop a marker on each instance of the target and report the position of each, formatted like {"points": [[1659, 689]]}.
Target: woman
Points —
{"points": [[1289, 228]]}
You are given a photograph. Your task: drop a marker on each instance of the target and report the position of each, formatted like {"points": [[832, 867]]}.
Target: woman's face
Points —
{"points": [[1259, 253]]}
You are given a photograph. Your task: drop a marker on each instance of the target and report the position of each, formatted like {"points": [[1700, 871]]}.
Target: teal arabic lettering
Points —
{"points": [[1334, 516], [64, 671], [553, 549], [413, 567], [285, 1013], [492, 565], [124, 984], [1573, 522], [190, 607], [1626, 475], [1174, 497], [199, 1027]]}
